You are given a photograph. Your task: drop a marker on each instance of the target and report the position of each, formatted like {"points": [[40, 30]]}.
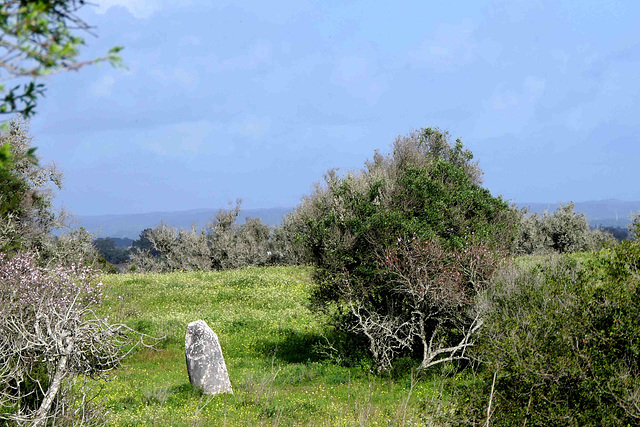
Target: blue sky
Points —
{"points": [[256, 100]]}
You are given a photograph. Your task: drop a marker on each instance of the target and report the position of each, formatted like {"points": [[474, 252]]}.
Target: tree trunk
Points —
{"points": [[61, 370]]}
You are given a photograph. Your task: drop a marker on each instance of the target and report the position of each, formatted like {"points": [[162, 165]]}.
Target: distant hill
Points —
{"points": [[130, 226], [606, 213]]}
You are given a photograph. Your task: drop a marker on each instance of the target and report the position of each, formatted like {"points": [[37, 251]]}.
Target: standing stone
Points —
{"points": [[205, 364]]}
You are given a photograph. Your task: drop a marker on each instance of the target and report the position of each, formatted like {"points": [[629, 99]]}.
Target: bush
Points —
{"points": [[178, 250], [234, 245], [563, 231], [427, 189], [562, 338], [50, 336], [222, 245]]}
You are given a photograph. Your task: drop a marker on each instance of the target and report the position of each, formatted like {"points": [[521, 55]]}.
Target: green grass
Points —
{"points": [[269, 340]]}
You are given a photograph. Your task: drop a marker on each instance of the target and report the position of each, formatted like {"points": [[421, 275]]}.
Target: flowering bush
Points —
{"points": [[49, 335], [57, 288]]}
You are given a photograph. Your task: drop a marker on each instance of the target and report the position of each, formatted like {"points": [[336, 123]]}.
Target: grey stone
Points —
{"points": [[205, 364]]}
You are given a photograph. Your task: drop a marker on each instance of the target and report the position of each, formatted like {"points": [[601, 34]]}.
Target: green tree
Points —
{"points": [[27, 216], [39, 38], [112, 254], [427, 191]]}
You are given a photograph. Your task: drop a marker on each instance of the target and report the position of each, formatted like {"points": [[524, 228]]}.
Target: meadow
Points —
{"points": [[273, 349]]}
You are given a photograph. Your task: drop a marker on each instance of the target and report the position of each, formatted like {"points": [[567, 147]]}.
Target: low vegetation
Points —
{"points": [[560, 343], [274, 347]]}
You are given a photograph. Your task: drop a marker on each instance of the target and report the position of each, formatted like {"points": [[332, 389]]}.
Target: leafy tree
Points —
{"points": [[25, 202], [427, 189], [107, 248], [39, 38], [618, 233], [26, 212]]}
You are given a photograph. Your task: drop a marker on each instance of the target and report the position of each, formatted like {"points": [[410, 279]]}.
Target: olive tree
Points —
{"points": [[222, 244], [562, 231]]}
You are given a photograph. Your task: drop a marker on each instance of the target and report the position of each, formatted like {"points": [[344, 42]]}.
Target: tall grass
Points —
{"points": [[269, 340]]}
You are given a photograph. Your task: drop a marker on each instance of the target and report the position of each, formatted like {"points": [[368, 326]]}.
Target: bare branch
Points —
{"points": [[47, 324]]}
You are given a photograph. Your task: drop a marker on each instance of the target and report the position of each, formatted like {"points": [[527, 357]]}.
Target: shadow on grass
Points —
{"points": [[293, 346], [185, 389], [299, 347]]}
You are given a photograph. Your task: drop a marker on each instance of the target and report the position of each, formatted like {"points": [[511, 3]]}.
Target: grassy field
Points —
{"points": [[269, 339]]}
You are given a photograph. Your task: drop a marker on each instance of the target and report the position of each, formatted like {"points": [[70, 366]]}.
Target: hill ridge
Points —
{"points": [[607, 213]]}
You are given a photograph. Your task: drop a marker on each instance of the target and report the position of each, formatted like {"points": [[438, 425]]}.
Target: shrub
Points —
{"points": [[433, 291], [234, 245], [563, 231], [222, 245], [426, 188], [49, 335], [634, 227], [562, 338]]}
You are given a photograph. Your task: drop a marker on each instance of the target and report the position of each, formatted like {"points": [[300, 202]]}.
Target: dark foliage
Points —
{"points": [[618, 233], [562, 338], [426, 188], [112, 254]]}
